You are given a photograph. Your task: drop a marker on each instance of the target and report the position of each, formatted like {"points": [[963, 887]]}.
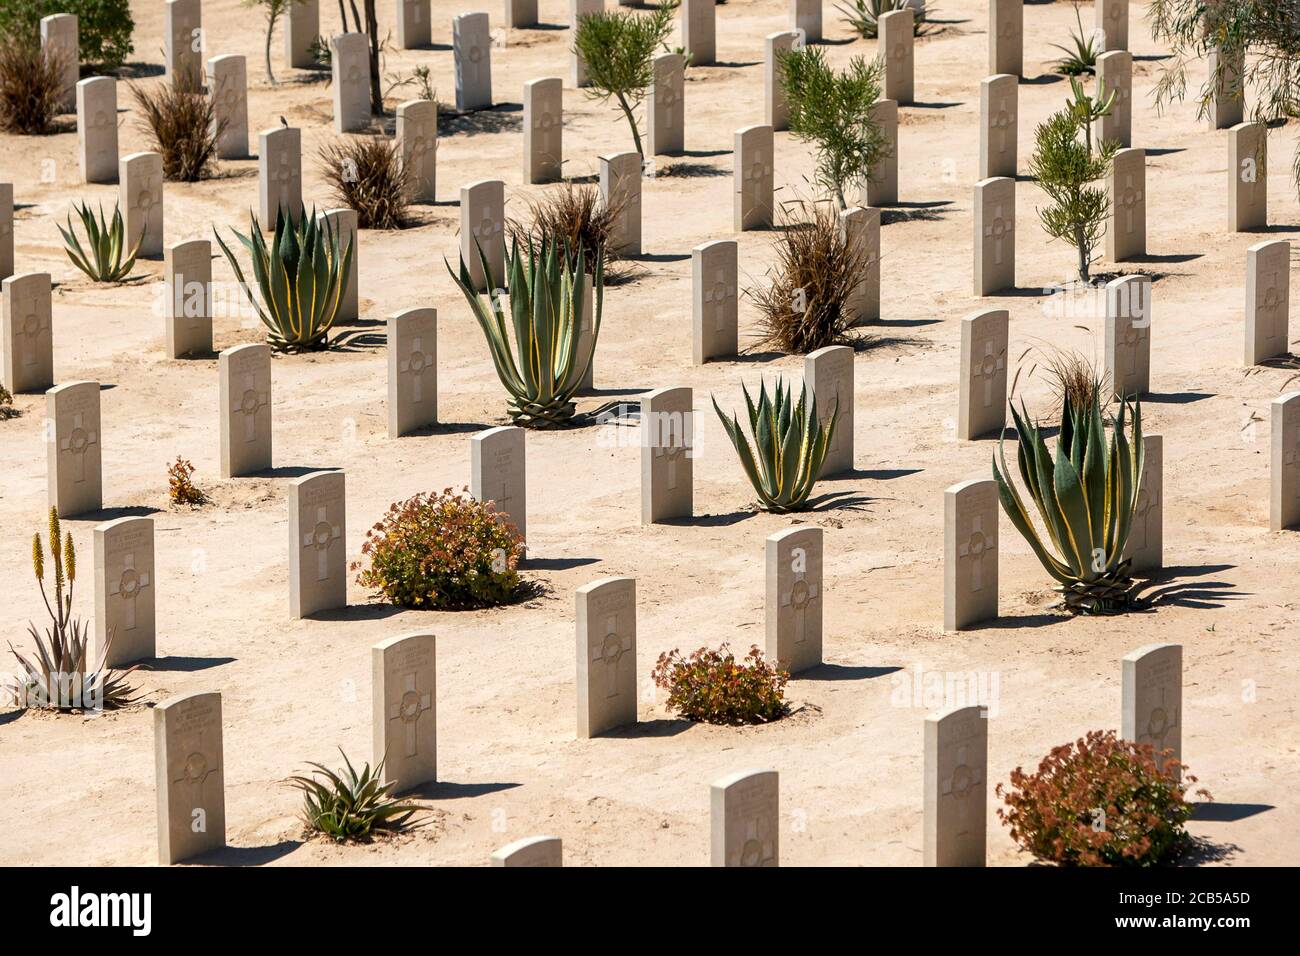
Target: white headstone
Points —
{"points": [[318, 537], [244, 373], [140, 197], [1268, 300], [1115, 75], [1128, 335], [860, 229], [74, 449], [1126, 233], [531, 851], [745, 817], [667, 453], [828, 375], [413, 30], [999, 109], [894, 44], [183, 43], [412, 371], [228, 90], [1152, 699], [189, 776], [343, 225], [187, 271], [125, 591], [1284, 462], [279, 174], [1112, 23], [60, 39], [301, 28], [666, 106], [1247, 176], [983, 401], [795, 598], [956, 787], [776, 112], [995, 235], [472, 52], [350, 68], [579, 8], [606, 629], [482, 227], [1006, 37], [1145, 546], [404, 681], [543, 129], [499, 472], [620, 190], [753, 178], [806, 17], [882, 188], [26, 333], [417, 142], [714, 300], [97, 129], [699, 31], [970, 553]]}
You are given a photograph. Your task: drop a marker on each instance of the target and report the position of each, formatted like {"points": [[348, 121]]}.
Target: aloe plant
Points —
{"points": [[107, 242], [864, 16], [301, 278], [1083, 58], [1085, 499], [790, 444], [348, 805], [550, 357]]}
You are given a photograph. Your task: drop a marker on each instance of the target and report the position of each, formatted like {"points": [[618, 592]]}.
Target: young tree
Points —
{"points": [[275, 9], [833, 111], [618, 49]]}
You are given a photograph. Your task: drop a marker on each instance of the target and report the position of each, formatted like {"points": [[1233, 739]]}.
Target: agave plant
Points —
{"points": [[550, 357], [301, 278], [790, 444], [864, 16], [347, 805], [1083, 57], [58, 677], [107, 242], [1085, 498]]}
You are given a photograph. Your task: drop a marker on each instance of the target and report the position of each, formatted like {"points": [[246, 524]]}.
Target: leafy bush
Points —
{"points": [[367, 175], [107, 242], [180, 484], [31, 86], [104, 27], [349, 806], [577, 217], [443, 551], [179, 122], [713, 687], [1100, 801]]}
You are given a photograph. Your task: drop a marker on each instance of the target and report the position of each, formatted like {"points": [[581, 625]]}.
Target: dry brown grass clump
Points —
{"points": [[30, 84], [573, 215], [806, 306], [179, 122], [366, 175]]}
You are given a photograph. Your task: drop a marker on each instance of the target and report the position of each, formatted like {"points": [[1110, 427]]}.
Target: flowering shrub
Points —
{"points": [[442, 551], [1100, 801], [180, 484], [714, 687]]}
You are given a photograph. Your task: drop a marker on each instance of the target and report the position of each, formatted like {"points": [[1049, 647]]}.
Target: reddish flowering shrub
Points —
{"points": [[714, 687], [443, 551], [1100, 801]]}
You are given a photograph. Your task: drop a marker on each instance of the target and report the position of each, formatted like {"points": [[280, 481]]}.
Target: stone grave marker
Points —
{"points": [[1284, 462], [606, 629], [1228, 105], [1115, 75], [882, 188], [26, 333], [806, 17], [318, 537], [60, 39], [228, 90], [861, 228], [699, 31], [1112, 23], [543, 129], [472, 53], [350, 67], [714, 300], [956, 786], [1145, 546], [498, 472], [140, 195], [745, 816], [417, 141], [279, 174], [245, 394], [999, 108], [753, 178], [182, 43], [6, 230], [970, 553], [413, 30], [776, 111], [521, 13], [482, 227], [301, 27], [187, 272], [189, 776], [995, 235], [412, 371], [894, 46], [404, 678], [983, 400], [531, 851], [125, 591], [828, 375], [74, 451], [795, 598], [1007, 37], [343, 224], [580, 8], [1248, 175], [620, 190], [667, 455], [97, 129], [1268, 300], [666, 106], [1128, 335], [1126, 233], [1152, 699]]}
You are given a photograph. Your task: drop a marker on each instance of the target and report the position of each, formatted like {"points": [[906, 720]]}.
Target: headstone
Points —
{"points": [[279, 174], [74, 469], [543, 129], [6, 230], [413, 31], [343, 224], [412, 371], [125, 591], [983, 402], [187, 272], [521, 13], [995, 235], [894, 46], [28, 337], [1128, 335], [1248, 176], [882, 188], [499, 473], [228, 90], [1284, 494], [579, 8], [1115, 75], [699, 31], [318, 537], [794, 598], [999, 109], [1228, 104], [1152, 699], [806, 17], [350, 70], [189, 776], [417, 142], [1007, 37], [1145, 546], [182, 43], [1126, 233], [245, 386], [482, 227], [860, 229], [620, 190], [667, 455], [140, 196], [970, 553], [59, 38], [666, 106], [776, 111], [586, 328], [606, 615], [531, 851], [1268, 300], [956, 786], [753, 178], [1112, 22], [404, 678], [745, 816], [301, 28], [97, 129], [714, 300], [472, 49], [828, 375]]}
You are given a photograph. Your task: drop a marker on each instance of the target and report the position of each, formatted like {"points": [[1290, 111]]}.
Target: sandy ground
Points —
{"points": [[80, 790]]}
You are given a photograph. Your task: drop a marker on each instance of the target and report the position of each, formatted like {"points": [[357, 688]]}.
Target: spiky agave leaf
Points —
{"points": [[350, 805], [104, 262]]}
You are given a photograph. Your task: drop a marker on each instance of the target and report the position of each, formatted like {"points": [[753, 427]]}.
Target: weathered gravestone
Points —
{"points": [[60, 42], [531, 851], [1284, 462], [1228, 104], [699, 31], [413, 29], [1007, 37], [472, 49], [543, 129], [999, 108], [6, 230], [577, 9], [125, 586], [1112, 23], [182, 44], [301, 28], [187, 313], [881, 189], [26, 333], [404, 682], [417, 142], [956, 786], [666, 106], [776, 111], [350, 69], [828, 376], [745, 816], [412, 371], [482, 231], [894, 46], [1145, 545], [189, 776], [1152, 699], [245, 395], [806, 19], [521, 13], [140, 196], [606, 630], [1126, 233], [97, 129], [620, 191], [995, 235], [753, 179], [714, 300], [499, 473], [667, 455], [983, 392], [228, 90], [970, 553], [318, 537], [794, 600], [343, 225], [1115, 75], [279, 174], [74, 450], [1248, 176], [1268, 300], [1128, 335], [860, 230]]}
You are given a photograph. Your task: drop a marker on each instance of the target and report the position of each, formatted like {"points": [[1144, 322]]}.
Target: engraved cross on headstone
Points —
{"points": [[195, 769], [757, 849], [251, 401], [609, 652], [977, 547], [961, 782], [716, 295], [1162, 720], [801, 595], [414, 365], [30, 329], [78, 443], [409, 708], [999, 230], [320, 539], [128, 588], [989, 366]]}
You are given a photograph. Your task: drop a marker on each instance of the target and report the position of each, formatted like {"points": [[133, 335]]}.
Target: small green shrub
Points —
{"points": [[713, 687], [1082, 57], [104, 27], [1100, 801], [108, 259], [443, 551], [347, 806]]}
